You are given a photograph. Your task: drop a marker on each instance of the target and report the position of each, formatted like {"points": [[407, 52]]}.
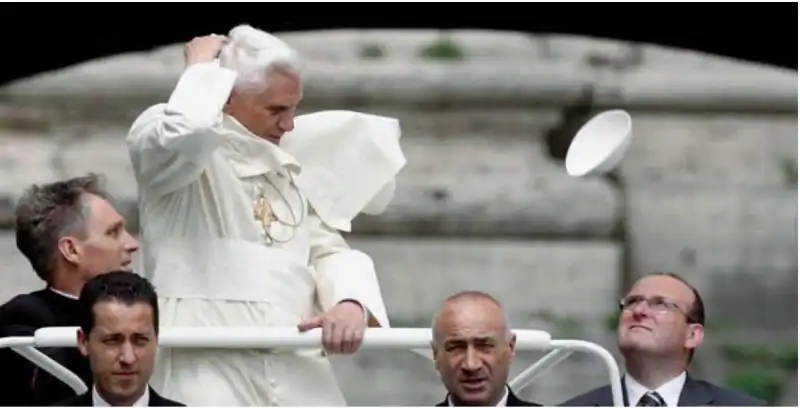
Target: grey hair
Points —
{"points": [[255, 55], [471, 295], [46, 213]]}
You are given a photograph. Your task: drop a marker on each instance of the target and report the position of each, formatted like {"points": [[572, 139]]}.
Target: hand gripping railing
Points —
{"points": [[289, 338]]}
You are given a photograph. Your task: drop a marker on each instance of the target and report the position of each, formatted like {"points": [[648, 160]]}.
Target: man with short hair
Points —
{"points": [[661, 325], [119, 336], [70, 232], [240, 224], [473, 347]]}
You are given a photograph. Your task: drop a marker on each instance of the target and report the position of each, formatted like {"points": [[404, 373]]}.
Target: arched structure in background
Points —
{"points": [[83, 37], [708, 189]]}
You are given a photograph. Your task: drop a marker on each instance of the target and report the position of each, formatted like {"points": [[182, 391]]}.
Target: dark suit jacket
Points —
{"points": [[511, 401], [85, 400], [695, 393], [24, 384]]}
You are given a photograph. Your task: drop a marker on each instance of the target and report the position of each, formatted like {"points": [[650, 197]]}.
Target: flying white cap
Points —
{"points": [[600, 144]]}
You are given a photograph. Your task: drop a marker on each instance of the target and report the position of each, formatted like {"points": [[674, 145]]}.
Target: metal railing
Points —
{"points": [[289, 338]]}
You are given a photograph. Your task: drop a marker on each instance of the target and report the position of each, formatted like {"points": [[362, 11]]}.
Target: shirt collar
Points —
{"points": [[98, 401], [250, 155], [502, 402], [65, 294], [670, 391]]}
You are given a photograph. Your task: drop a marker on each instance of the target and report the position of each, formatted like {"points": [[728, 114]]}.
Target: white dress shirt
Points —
{"points": [[670, 391], [98, 401]]}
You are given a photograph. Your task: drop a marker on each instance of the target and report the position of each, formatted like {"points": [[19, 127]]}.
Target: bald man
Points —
{"points": [[473, 347], [661, 324]]}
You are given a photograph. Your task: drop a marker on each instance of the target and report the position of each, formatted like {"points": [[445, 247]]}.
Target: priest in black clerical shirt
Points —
{"points": [[69, 231]]}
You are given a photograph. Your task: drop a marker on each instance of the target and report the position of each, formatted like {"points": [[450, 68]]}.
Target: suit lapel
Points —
{"points": [[512, 400], [694, 394], [156, 400], [85, 400], [607, 399]]}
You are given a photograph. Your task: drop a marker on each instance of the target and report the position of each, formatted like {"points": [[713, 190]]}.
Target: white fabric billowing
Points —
{"points": [[337, 185], [198, 173]]}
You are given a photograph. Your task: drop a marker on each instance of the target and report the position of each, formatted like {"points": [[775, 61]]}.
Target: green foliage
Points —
{"points": [[782, 357], [443, 49], [789, 169], [372, 51], [762, 384], [760, 371], [611, 321]]}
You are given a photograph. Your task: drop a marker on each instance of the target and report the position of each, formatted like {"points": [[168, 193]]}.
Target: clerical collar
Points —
{"points": [[670, 391], [98, 401], [65, 294], [251, 155]]}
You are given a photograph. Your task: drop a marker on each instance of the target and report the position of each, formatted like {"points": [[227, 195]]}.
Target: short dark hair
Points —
{"points": [[697, 311], [48, 212], [118, 286]]}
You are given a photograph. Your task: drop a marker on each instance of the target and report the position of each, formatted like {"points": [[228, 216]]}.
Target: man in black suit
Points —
{"points": [[473, 346], [660, 327], [119, 335], [69, 231]]}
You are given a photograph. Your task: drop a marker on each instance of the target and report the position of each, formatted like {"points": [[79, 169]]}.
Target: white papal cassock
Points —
{"points": [[214, 263]]}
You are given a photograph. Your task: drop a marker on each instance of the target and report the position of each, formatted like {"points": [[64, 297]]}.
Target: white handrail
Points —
{"points": [[289, 338], [24, 346]]}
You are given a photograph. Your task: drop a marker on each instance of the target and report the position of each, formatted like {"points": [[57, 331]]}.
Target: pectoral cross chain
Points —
{"points": [[263, 212]]}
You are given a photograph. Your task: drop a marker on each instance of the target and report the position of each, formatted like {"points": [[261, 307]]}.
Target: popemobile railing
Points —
{"points": [[289, 338]]}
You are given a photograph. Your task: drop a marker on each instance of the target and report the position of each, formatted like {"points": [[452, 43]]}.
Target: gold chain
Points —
{"points": [[264, 213]]}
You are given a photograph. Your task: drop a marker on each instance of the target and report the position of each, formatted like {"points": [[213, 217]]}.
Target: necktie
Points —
{"points": [[651, 399]]}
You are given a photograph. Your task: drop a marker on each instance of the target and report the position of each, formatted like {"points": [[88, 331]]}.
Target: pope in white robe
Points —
{"points": [[241, 205]]}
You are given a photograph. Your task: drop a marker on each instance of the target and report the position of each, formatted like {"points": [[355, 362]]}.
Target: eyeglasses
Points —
{"points": [[656, 304]]}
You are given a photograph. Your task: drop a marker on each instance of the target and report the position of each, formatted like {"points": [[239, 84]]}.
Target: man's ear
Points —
{"points": [[435, 353], [512, 344], [83, 343], [227, 107], [694, 336], [70, 249]]}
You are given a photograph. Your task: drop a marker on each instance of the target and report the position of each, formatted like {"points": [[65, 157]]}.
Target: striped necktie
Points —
{"points": [[651, 399]]}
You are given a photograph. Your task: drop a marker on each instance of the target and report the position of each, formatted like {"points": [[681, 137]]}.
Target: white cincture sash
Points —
{"points": [[233, 270]]}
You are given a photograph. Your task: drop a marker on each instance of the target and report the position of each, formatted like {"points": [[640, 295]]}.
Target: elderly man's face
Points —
{"points": [[473, 352], [268, 114], [654, 320]]}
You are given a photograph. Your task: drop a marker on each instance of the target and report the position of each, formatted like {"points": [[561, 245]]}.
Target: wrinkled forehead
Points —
{"points": [[663, 286], [282, 88]]}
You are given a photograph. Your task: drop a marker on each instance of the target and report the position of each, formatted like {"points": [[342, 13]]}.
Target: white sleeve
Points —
{"points": [[345, 274], [170, 144]]}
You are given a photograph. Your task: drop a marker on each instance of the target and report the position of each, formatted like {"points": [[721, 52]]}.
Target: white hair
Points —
{"points": [[255, 55]]}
